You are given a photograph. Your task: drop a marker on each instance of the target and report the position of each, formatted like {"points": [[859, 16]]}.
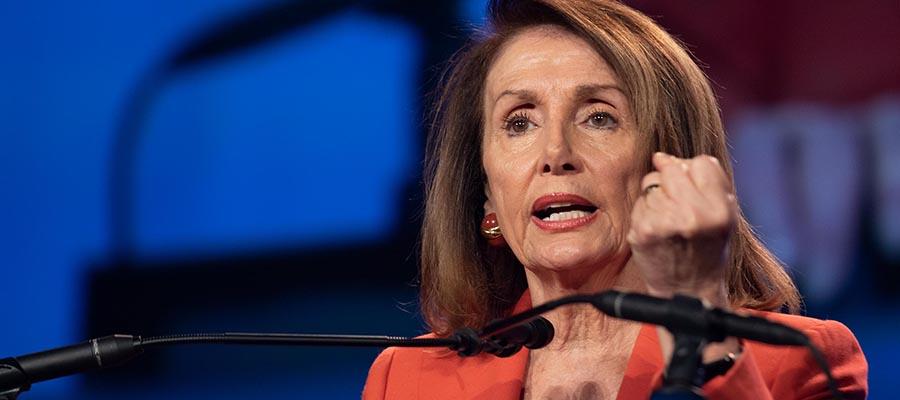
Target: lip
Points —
{"points": [[556, 226]]}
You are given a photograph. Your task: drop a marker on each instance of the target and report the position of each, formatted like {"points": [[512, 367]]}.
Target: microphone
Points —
{"points": [[689, 315], [22, 371], [680, 314], [533, 334], [17, 374]]}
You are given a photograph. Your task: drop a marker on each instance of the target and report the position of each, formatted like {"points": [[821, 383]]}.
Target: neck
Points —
{"points": [[582, 325]]}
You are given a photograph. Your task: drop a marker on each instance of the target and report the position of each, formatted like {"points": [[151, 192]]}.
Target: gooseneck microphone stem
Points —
{"points": [[17, 374], [296, 339]]}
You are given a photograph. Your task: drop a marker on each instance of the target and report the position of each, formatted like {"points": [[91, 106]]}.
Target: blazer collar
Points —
{"points": [[487, 377]]}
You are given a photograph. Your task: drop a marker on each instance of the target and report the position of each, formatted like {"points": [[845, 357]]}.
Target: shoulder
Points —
{"points": [[438, 373], [794, 368], [835, 340], [803, 323], [402, 360], [395, 371]]}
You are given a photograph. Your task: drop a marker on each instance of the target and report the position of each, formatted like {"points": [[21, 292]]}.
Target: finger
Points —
{"points": [[695, 214], [658, 202], [642, 231], [635, 238], [655, 218], [671, 218], [713, 184], [675, 181], [653, 195], [650, 182], [709, 177]]}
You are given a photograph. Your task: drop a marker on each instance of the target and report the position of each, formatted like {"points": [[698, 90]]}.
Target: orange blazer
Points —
{"points": [[761, 372]]}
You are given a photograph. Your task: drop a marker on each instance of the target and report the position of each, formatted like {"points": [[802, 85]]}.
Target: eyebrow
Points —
{"points": [[522, 94], [587, 91], [581, 92]]}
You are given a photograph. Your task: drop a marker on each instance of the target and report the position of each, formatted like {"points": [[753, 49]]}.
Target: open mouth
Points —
{"points": [[564, 211], [558, 207]]}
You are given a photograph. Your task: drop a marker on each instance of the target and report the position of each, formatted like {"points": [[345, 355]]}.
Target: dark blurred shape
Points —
{"points": [[156, 298], [128, 294], [269, 23], [253, 29], [227, 38], [769, 51]]}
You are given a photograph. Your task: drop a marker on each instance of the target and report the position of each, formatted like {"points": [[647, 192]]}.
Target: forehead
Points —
{"points": [[547, 56]]}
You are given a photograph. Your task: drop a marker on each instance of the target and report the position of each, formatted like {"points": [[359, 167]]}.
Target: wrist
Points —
{"points": [[718, 350]]}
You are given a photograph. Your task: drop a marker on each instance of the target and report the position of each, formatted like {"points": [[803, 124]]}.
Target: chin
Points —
{"points": [[572, 256]]}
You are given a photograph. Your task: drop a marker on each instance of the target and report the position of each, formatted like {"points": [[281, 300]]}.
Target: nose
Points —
{"points": [[559, 157]]}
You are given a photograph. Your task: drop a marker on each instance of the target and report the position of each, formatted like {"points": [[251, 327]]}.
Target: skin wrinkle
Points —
{"points": [[553, 135], [523, 144], [547, 74]]}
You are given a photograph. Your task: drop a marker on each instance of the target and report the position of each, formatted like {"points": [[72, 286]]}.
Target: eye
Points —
{"points": [[602, 120], [518, 123]]}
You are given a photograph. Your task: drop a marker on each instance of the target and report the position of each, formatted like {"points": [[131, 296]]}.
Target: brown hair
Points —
{"points": [[464, 282]]}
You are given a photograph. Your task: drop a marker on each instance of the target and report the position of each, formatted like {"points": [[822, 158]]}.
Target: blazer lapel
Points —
{"points": [[486, 377], [645, 366]]}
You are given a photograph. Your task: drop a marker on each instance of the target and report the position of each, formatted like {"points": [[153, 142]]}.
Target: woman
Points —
{"points": [[586, 146]]}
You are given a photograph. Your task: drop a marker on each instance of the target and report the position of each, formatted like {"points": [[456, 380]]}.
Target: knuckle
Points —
{"points": [[689, 232], [691, 226], [646, 231], [709, 159], [633, 238], [671, 167], [722, 216]]}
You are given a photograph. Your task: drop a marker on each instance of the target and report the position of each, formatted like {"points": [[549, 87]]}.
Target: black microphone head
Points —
{"points": [[534, 334], [506, 350], [541, 333]]}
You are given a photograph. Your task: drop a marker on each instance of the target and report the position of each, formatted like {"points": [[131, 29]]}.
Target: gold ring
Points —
{"points": [[650, 188]]}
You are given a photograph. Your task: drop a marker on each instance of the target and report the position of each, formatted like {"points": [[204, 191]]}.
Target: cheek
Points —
{"points": [[508, 196], [508, 182], [509, 167]]}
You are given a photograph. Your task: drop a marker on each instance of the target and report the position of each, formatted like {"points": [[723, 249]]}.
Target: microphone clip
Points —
{"points": [[470, 344], [532, 334]]}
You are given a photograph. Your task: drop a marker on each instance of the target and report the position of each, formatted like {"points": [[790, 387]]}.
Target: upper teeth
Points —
{"points": [[561, 216], [558, 205]]}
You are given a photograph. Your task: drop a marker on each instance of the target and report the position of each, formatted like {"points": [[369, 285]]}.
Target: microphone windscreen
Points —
{"points": [[541, 333]]}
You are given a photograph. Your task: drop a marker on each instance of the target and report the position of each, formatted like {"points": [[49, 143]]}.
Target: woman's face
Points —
{"points": [[560, 152]]}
